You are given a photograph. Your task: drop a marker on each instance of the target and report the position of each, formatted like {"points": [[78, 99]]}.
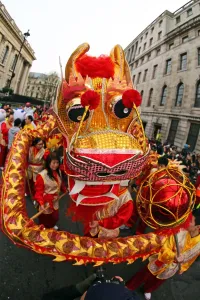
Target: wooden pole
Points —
{"points": [[177, 250], [38, 214]]}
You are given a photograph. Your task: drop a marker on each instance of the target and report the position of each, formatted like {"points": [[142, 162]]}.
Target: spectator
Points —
{"points": [[13, 131], [29, 123], [162, 162], [5, 127], [90, 290]]}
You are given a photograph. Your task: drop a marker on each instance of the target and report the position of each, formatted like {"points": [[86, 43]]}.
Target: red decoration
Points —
{"points": [[91, 99], [93, 67], [131, 97]]}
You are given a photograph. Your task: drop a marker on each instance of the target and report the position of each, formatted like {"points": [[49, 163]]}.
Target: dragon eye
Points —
{"points": [[120, 110], [75, 113]]}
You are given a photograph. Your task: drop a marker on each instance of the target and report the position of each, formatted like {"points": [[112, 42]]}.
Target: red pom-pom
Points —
{"points": [[131, 97], [91, 99], [93, 67]]}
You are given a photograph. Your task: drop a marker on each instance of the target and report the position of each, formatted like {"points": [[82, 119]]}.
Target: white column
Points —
{"points": [[18, 71], [23, 78], [26, 73]]}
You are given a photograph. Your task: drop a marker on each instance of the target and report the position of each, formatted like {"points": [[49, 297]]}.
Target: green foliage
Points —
{"points": [[7, 90]]}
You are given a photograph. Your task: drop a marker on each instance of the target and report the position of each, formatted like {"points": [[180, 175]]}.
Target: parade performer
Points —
{"points": [[28, 109], [47, 189], [36, 159], [167, 262], [5, 127]]}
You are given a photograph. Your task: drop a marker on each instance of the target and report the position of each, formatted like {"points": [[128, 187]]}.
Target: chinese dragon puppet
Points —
{"points": [[96, 111]]}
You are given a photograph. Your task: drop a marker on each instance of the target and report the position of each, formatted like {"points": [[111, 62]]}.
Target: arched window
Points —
{"points": [[141, 93], [13, 64], [197, 97], [163, 96], [4, 54], [179, 94], [150, 97]]}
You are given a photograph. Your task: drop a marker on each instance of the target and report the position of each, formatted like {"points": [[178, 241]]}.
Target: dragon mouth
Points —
{"points": [[105, 191], [106, 174]]}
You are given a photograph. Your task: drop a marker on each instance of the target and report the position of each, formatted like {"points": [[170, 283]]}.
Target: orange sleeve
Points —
{"points": [[39, 190], [121, 218]]}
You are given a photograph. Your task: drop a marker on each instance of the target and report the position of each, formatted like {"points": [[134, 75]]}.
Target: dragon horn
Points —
{"points": [[70, 66], [121, 66]]}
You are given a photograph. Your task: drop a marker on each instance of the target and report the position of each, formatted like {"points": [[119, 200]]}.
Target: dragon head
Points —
{"points": [[96, 110]]}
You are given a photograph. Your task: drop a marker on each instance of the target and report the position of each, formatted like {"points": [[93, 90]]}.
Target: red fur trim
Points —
{"points": [[93, 67], [82, 213], [91, 99], [131, 97]]}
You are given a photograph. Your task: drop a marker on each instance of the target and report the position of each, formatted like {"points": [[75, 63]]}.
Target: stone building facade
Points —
{"points": [[11, 39], [165, 65], [42, 86]]}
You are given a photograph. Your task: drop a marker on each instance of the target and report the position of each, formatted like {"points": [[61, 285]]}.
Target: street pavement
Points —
{"points": [[25, 275]]}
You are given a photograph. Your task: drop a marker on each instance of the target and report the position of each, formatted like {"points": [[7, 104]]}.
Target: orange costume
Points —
{"points": [[113, 215], [5, 127], [35, 162], [47, 191], [164, 265]]}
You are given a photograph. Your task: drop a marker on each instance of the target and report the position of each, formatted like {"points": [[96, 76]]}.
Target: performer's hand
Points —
{"points": [[42, 207], [180, 258], [93, 224]]}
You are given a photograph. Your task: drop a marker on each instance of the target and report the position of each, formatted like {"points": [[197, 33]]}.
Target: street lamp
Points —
{"points": [[26, 34]]}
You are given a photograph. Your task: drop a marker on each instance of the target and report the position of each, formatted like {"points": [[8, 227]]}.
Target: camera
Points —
{"points": [[102, 278]]}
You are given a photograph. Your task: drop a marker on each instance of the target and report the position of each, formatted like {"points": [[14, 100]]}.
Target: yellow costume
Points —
{"points": [[163, 265]]}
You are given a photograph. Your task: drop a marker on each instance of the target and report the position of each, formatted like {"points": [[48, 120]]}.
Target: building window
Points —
{"points": [[197, 96], [4, 55], [36, 95], [178, 19], [185, 39], [142, 60], [150, 41], [172, 131], [149, 57], [189, 12], [198, 56], [158, 51], [152, 29], [145, 75], [136, 64], [160, 23], [146, 35], [139, 50], [141, 93], [179, 94], [168, 66], [38, 88], [193, 135], [150, 97], [144, 46], [183, 61], [13, 64], [198, 32], [138, 79], [27, 87], [133, 78], [141, 39], [159, 35], [163, 96], [154, 71], [171, 46]]}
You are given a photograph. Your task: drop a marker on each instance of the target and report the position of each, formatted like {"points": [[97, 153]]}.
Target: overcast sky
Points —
{"points": [[57, 27]]}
